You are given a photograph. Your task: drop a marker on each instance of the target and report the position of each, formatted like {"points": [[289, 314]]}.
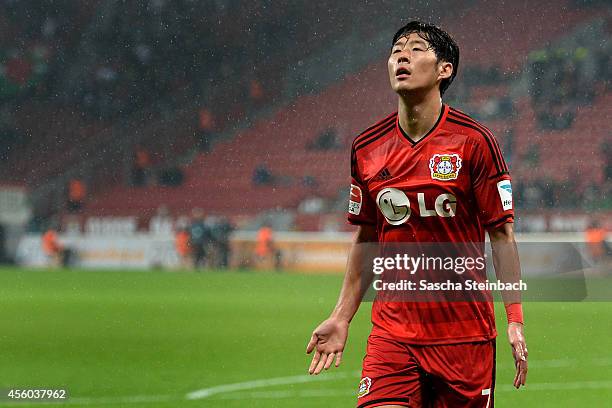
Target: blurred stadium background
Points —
{"points": [[127, 128]]}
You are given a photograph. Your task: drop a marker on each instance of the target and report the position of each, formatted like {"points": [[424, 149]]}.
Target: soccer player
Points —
{"points": [[427, 173]]}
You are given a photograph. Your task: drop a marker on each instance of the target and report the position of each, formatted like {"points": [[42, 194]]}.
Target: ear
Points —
{"points": [[445, 70]]}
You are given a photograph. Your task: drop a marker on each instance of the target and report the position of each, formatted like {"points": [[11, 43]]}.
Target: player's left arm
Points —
{"points": [[492, 189], [508, 270]]}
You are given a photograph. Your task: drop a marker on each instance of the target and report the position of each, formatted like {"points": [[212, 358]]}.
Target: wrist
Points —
{"points": [[514, 313], [339, 317]]}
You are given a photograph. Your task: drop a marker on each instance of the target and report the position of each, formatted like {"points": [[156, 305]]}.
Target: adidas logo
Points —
{"points": [[383, 175]]}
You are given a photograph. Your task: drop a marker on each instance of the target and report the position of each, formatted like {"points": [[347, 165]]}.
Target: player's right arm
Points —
{"points": [[329, 338]]}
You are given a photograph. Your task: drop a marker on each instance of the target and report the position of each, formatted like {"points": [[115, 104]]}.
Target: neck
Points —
{"points": [[418, 116]]}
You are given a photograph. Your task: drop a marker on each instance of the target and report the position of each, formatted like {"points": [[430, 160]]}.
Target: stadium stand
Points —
{"points": [[89, 135]]}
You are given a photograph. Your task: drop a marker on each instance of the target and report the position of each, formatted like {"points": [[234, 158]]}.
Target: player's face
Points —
{"points": [[413, 66]]}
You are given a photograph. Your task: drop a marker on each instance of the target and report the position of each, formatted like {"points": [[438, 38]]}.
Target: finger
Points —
{"points": [[321, 364], [330, 360], [522, 353], [338, 358], [517, 371], [312, 343], [521, 371], [520, 377], [524, 374], [516, 378], [315, 361], [515, 357]]}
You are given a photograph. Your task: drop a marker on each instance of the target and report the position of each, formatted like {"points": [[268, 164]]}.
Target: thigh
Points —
{"points": [[390, 376], [461, 375]]}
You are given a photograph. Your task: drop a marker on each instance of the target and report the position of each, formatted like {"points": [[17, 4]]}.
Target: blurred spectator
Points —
{"points": [[531, 157], [309, 181], [595, 237], [555, 117], [606, 149], [76, 195], [268, 256], [161, 222], [171, 176], [256, 92], [141, 167], [327, 140], [18, 69], [9, 136], [311, 205], [182, 245], [22, 69], [205, 130], [221, 232], [562, 79], [53, 249], [508, 141], [262, 176], [478, 75], [210, 246], [199, 239]]}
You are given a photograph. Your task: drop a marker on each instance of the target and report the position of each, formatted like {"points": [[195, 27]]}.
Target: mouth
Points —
{"points": [[402, 73]]}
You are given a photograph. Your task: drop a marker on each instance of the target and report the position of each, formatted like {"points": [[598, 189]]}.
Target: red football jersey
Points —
{"points": [[448, 187]]}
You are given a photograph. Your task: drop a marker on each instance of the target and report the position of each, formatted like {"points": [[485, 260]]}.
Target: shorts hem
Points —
{"points": [[385, 401]]}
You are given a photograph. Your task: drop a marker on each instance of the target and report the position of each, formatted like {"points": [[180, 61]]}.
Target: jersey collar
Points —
{"points": [[436, 126]]}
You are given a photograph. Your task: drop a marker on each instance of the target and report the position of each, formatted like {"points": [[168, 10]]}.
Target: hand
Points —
{"points": [[519, 352], [328, 341]]}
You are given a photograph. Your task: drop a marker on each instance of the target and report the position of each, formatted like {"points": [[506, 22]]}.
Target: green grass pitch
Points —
{"points": [[148, 338]]}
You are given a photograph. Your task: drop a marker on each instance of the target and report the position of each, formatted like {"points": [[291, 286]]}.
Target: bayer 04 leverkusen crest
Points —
{"points": [[445, 166], [364, 386]]}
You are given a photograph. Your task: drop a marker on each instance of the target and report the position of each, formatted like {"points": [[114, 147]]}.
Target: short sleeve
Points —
{"points": [[361, 207], [491, 184]]}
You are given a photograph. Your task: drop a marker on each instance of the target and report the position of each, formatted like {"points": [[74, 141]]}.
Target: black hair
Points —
{"points": [[442, 44]]}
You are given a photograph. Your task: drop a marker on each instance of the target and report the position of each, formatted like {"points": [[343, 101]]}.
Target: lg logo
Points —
{"points": [[394, 204]]}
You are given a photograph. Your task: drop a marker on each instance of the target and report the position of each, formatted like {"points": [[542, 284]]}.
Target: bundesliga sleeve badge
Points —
{"points": [[355, 200], [504, 188], [445, 166]]}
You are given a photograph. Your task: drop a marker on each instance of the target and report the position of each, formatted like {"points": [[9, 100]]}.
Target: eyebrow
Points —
{"points": [[416, 40]]}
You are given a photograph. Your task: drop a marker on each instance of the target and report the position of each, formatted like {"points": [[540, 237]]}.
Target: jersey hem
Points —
{"points": [[435, 341]]}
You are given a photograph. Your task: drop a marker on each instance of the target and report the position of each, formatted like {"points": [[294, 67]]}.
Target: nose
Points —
{"points": [[403, 57]]}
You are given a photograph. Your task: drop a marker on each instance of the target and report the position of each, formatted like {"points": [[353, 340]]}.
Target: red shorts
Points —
{"points": [[436, 376]]}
